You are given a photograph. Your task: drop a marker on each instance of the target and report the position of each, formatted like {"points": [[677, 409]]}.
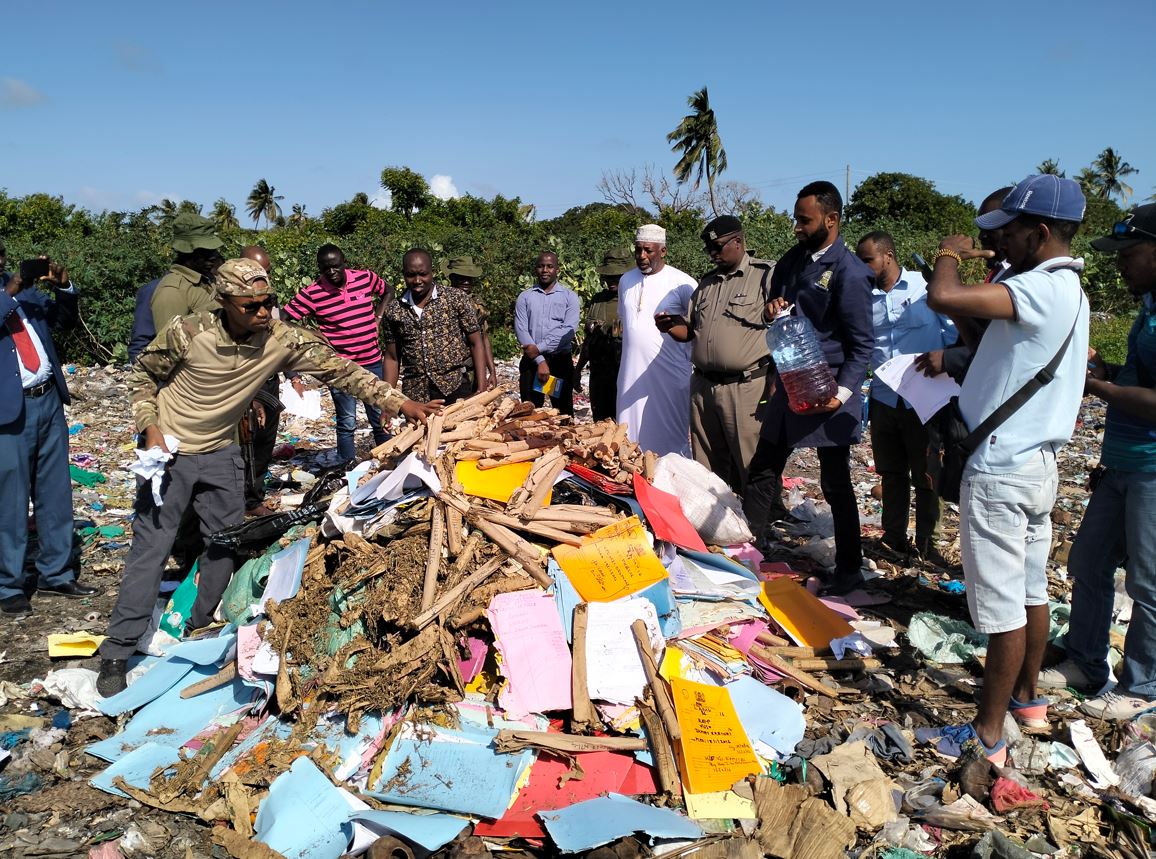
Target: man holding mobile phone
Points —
{"points": [[34, 435]]}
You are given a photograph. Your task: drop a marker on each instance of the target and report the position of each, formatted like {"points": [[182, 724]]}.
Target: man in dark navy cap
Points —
{"points": [[727, 330]]}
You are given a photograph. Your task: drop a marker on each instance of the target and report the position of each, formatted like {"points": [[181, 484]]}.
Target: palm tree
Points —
{"points": [[263, 202], [299, 216], [697, 138], [1089, 182], [1051, 167], [1110, 171], [224, 215], [165, 211]]}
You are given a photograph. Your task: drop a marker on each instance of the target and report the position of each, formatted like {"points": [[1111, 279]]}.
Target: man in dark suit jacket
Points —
{"points": [[831, 287], [34, 437]]}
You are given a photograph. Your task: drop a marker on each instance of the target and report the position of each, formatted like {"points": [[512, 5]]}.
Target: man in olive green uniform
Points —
{"points": [[193, 384], [727, 330], [466, 275], [602, 348], [186, 288]]}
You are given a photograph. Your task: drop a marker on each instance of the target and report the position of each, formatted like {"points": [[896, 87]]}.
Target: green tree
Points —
{"points": [[1110, 171], [1089, 182], [697, 138], [299, 216], [1050, 167], [408, 190], [264, 202], [224, 215], [911, 200]]}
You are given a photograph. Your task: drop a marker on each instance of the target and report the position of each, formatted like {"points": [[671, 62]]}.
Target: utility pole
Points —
{"points": [[847, 185]]}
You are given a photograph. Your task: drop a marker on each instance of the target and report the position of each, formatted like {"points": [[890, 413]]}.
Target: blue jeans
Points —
{"points": [[34, 465], [345, 410], [1117, 529]]}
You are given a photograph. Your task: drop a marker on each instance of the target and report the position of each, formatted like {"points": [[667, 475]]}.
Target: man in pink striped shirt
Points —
{"points": [[347, 305]]}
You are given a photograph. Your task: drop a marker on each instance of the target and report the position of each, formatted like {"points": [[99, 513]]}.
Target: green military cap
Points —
{"points": [[241, 277], [191, 232], [616, 262], [464, 266]]}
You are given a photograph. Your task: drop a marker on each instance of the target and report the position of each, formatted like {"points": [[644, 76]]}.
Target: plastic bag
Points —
{"points": [[706, 500]]}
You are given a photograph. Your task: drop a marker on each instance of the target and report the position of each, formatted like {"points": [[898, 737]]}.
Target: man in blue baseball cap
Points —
{"points": [[1039, 320]]}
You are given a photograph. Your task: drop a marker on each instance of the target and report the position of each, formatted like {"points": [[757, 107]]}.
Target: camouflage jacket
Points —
{"points": [[195, 381]]}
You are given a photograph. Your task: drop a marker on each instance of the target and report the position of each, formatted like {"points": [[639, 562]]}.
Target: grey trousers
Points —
{"points": [[724, 426], [214, 484]]}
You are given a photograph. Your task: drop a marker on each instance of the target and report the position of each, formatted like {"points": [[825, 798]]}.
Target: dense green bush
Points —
{"points": [[111, 254]]}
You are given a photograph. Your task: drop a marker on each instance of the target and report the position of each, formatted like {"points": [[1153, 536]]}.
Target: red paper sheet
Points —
{"points": [[606, 772], [665, 517]]}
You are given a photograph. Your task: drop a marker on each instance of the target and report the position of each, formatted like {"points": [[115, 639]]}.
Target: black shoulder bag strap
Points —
{"points": [[1025, 393]]}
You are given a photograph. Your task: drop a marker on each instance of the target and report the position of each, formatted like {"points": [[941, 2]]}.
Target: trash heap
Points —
{"points": [[507, 631]]}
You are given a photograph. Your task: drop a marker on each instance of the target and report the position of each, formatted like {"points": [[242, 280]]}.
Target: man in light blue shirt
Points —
{"points": [[904, 325], [545, 321]]}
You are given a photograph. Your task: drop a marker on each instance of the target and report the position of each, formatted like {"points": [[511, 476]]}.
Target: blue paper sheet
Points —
{"points": [[430, 831], [590, 824], [565, 597], [450, 771], [136, 768], [304, 816], [167, 672], [767, 716], [171, 720]]}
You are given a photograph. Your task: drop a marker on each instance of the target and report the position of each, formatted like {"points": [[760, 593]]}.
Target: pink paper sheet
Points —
{"points": [[535, 659]]}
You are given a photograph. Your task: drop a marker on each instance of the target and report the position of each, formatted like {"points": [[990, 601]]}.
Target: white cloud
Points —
{"points": [[17, 93], [443, 187], [150, 198], [381, 200]]}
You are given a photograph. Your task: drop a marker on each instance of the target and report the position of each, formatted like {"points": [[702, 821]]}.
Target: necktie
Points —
{"points": [[25, 348]]}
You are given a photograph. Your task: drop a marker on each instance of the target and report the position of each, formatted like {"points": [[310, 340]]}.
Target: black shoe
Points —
{"points": [[17, 606], [841, 583], [74, 590], [111, 678]]}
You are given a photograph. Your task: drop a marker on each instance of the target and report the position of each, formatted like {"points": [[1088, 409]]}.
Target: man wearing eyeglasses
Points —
{"points": [[726, 327], [1117, 529], [192, 385]]}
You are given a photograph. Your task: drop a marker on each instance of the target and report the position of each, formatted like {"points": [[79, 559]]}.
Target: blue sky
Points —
{"points": [[116, 105]]}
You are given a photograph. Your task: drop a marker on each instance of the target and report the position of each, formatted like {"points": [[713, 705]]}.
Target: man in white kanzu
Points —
{"points": [[654, 377]]}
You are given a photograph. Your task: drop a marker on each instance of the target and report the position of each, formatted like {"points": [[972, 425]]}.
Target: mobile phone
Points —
{"points": [[31, 270], [921, 264]]}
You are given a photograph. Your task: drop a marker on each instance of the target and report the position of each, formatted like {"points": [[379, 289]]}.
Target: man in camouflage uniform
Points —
{"points": [[602, 348], [193, 384], [187, 286], [466, 275]]}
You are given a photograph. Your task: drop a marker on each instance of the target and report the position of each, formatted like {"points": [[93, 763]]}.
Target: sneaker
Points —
{"points": [[1067, 675], [1031, 715], [1116, 706], [111, 679]]}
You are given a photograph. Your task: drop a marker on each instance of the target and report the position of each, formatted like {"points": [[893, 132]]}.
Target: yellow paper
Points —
{"points": [[671, 666], [613, 562], [801, 614], [719, 805], [74, 644], [714, 750], [497, 484]]}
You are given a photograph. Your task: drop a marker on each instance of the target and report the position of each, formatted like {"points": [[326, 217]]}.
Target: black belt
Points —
{"points": [[756, 372], [40, 390]]}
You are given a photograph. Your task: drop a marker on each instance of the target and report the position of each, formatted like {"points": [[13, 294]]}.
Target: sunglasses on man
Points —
{"points": [[253, 307], [1123, 229]]}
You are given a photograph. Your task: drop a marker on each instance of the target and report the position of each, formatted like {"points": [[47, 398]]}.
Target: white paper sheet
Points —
{"points": [[926, 394], [613, 665], [410, 473], [307, 406]]}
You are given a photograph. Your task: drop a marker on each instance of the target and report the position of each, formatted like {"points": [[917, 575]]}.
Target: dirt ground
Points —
{"points": [[63, 816]]}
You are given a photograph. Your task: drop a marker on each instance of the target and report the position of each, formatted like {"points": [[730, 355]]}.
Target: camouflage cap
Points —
{"points": [[191, 232], [241, 277], [464, 266], [616, 262]]}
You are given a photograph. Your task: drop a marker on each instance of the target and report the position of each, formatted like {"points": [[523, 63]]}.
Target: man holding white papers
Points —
{"points": [[904, 325]]}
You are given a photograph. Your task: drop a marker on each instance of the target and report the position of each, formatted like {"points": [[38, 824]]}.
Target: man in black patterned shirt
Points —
{"points": [[432, 335]]}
